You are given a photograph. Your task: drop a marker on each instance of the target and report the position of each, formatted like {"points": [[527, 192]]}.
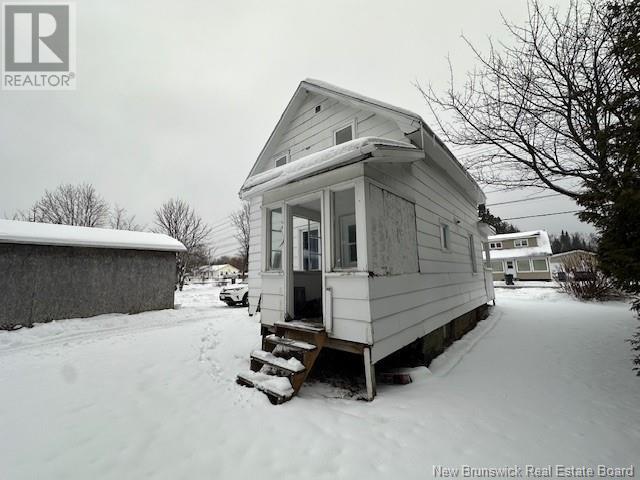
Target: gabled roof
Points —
{"points": [[408, 121], [12, 231]]}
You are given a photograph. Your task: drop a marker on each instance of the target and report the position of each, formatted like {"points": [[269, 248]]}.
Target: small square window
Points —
{"points": [[281, 161], [495, 245], [318, 108], [343, 135], [521, 243]]}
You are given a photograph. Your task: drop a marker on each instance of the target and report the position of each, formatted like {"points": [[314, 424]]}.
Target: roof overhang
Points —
{"points": [[367, 149]]}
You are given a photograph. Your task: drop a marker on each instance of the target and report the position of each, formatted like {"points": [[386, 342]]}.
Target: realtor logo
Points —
{"points": [[38, 46]]}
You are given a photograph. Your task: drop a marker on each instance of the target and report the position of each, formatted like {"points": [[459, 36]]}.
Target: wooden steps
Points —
{"points": [[290, 343], [273, 387], [282, 366]]}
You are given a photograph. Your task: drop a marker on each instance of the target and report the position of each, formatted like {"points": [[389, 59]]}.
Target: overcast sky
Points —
{"points": [[178, 98]]}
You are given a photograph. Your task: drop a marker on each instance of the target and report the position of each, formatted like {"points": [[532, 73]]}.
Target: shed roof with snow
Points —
{"points": [[12, 231]]}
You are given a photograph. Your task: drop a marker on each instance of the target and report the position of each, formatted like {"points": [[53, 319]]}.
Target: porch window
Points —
{"points": [[275, 240], [523, 265], [345, 239], [497, 266], [540, 265]]}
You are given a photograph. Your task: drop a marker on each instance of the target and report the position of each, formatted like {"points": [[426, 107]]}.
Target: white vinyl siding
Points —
{"points": [[406, 307], [309, 132], [255, 253]]}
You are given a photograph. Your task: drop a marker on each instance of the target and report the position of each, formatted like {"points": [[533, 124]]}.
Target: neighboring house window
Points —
{"points": [[521, 243], [540, 265], [472, 253], [345, 239], [495, 245], [343, 135], [310, 250], [445, 241], [275, 239], [523, 265], [281, 161], [497, 266]]}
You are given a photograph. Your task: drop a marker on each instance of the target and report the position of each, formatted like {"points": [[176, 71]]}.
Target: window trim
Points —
{"points": [[521, 244], [352, 123], [495, 245]]}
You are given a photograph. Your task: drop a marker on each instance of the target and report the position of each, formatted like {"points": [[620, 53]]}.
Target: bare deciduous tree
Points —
{"points": [[541, 108], [240, 220], [178, 220], [119, 219], [69, 205]]}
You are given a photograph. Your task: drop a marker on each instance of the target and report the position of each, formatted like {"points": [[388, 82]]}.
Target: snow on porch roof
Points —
{"points": [[12, 231], [317, 162]]}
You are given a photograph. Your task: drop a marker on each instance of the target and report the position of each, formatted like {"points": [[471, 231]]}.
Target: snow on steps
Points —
{"points": [[307, 327], [278, 389], [291, 365], [290, 343]]}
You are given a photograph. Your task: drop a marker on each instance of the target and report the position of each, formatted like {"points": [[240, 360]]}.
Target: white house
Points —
{"points": [[216, 272], [525, 254], [364, 235]]}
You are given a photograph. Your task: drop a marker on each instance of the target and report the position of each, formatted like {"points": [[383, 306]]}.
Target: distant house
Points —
{"points": [[364, 235], [558, 261], [525, 254], [50, 272], [216, 272]]}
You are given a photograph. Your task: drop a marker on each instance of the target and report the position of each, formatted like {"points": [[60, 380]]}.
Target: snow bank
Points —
{"points": [[325, 159], [550, 382], [12, 231]]}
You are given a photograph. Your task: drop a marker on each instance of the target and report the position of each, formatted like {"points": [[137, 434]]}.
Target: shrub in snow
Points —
{"points": [[584, 279]]}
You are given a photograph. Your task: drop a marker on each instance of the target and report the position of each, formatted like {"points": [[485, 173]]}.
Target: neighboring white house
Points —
{"points": [[558, 261], [216, 272], [364, 229], [524, 254]]}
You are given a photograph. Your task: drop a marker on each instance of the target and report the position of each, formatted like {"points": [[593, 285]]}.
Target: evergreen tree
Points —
{"points": [[497, 223]]}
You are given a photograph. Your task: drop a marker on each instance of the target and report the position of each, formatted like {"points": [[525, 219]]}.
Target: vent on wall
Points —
{"points": [[318, 108]]}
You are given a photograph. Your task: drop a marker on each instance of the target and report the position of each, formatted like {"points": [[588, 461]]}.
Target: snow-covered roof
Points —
{"points": [[408, 121], [572, 252], [317, 162], [542, 249], [360, 98], [12, 231]]}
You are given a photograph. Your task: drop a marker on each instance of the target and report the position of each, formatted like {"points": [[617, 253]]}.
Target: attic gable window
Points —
{"points": [[342, 135], [281, 161]]}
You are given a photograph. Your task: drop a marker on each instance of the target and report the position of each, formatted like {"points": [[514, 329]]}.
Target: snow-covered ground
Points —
{"points": [[544, 380]]}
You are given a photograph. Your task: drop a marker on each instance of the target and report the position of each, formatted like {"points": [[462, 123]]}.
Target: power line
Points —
{"points": [[543, 215], [524, 199]]}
